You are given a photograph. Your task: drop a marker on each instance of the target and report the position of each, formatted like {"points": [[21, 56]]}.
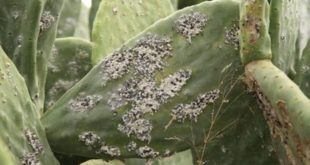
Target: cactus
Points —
{"points": [[184, 3], [175, 4], [226, 81], [101, 162], [181, 158], [28, 43], [285, 106], [92, 13], [120, 15], [82, 30], [97, 104], [69, 18], [303, 71], [22, 137], [68, 63], [6, 157]]}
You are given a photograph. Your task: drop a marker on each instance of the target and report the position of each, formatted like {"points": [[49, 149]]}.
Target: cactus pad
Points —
{"points": [[22, 132], [140, 84], [68, 63], [118, 21]]}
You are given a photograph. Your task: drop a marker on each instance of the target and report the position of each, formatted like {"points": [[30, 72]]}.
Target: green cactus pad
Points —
{"points": [[302, 77], [29, 31], [6, 156], [47, 34], [19, 36], [82, 29], [68, 63], [185, 3], [180, 158], [102, 162], [69, 18], [92, 14], [301, 74], [158, 94], [254, 23], [287, 108], [247, 142], [285, 22], [21, 130], [175, 4], [118, 21]]}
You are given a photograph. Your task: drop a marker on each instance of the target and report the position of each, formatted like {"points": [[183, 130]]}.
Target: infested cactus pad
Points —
{"points": [[34, 141], [68, 63], [47, 19], [232, 35], [155, 77], [27, 34], [21, 129], [183, 111], [89, 139], [142, 82], [118, 21], [190, 25], [147, 152], [84, 103]]}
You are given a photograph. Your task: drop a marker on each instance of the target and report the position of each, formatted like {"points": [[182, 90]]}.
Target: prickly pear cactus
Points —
{"points": [[92, 13], [175, 4], [68, 63], [303, 75], [185, 3], [221, 82], [181, 158], [284, 14], [28, 42], [7, 157], [301, 72], [246, 141], [102, 162], [156, 94], [22, 136], [285, 106], [69, 18], [118, 21]]}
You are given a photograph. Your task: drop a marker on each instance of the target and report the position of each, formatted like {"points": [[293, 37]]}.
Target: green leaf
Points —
{"points": [[118, 21]]}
